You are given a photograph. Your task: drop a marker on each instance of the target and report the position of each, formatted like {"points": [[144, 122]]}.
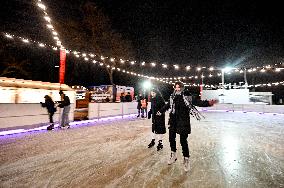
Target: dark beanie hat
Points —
{"points": [[180, 84]]}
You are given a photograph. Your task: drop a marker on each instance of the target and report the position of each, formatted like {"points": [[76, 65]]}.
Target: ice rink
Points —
{"points": [[228, 149]]}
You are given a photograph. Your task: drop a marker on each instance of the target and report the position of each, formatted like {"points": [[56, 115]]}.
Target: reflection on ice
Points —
{"points": [[227, 150], [230, 155]]}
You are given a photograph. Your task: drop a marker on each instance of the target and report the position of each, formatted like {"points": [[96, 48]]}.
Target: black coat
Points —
{"points": [[65, 102], [139, 98], [49, 104], [179, 121], [158, 122]]}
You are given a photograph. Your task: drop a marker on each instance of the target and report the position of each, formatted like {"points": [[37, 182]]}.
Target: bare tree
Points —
{"points": [[16, 69], [93, 33]]}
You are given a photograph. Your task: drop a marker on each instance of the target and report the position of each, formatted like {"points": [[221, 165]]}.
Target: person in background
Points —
{"points": [[65, 104], [122, 97], [144, 105], [139, 99], [158, 122], [107, 99], [181, 107], [49, 105], [128, 97]]}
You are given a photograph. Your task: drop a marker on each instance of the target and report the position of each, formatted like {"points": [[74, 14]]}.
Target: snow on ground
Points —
{"points": [[227, 150]]}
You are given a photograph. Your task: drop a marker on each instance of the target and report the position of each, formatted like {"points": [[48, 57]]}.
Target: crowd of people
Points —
{"points": [[181, 107]]}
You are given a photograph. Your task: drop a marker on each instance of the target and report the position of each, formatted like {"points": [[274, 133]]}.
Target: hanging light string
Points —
{"points": [[269, 84], [84, 58], [125, 71], [100, 62], [48, 24], [186, 68]]}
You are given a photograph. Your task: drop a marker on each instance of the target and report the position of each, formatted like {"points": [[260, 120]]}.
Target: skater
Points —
{"points": [[158, 122], [144, 104], [139, 99], [65, 104], [49, 105], [181, 107]]}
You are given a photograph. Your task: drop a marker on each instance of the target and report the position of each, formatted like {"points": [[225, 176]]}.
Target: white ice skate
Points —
{"points": [[186, 164]]}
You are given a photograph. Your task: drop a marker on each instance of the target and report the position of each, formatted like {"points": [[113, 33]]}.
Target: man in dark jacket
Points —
{"points": [[128, 97], [65, 104], [181, 107], [49, 105], [158, 122]]}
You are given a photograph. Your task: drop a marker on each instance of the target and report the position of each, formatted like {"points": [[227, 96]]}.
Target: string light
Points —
{"points": [[25, 40], [58, 42], [132, 73], [176, 66], [9, 36], [49, 25]]}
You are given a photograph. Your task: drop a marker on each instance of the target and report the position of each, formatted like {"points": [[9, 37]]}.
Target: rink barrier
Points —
{"points": [[245, 108], [33, 116], [72, 124], [99, 110], [22, 116], [27, 115]]}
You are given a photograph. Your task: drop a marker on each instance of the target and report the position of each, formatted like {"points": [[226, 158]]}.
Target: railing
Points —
{"points": [[261, 108], [98, 110], [17, 115]]}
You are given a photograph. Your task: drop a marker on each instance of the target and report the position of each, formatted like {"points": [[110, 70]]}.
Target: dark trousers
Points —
{"points": [[50, 117], [183, 142], [144, 111]]}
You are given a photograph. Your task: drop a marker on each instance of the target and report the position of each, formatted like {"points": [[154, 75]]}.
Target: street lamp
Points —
{"points": [[224, 70], [147, 84]]}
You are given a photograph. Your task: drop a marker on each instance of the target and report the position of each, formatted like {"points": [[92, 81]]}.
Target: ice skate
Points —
{"points": [[173, 158], [186, 164], [152, 143], [160, 145], [50, 127]]}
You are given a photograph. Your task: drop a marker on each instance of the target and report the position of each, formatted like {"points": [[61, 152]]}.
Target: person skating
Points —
{"points": [[158, 122], [49, 105], [144, 105], [65, 104], [181, 107], [139, 98]]}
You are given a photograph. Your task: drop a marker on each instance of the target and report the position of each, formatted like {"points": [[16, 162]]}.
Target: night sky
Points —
{"points": [[200, 32], [203, 33]]}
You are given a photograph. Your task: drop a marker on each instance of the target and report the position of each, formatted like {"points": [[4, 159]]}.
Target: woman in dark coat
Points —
{"points": [[49, 105], [158, 122], [181, 107]]}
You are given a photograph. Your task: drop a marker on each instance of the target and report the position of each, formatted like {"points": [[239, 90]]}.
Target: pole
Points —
{"points": [[223, 78], [201, 87], [245, 78]]}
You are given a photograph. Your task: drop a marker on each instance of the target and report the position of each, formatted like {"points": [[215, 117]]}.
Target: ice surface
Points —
{"points": [[227, 150]]}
